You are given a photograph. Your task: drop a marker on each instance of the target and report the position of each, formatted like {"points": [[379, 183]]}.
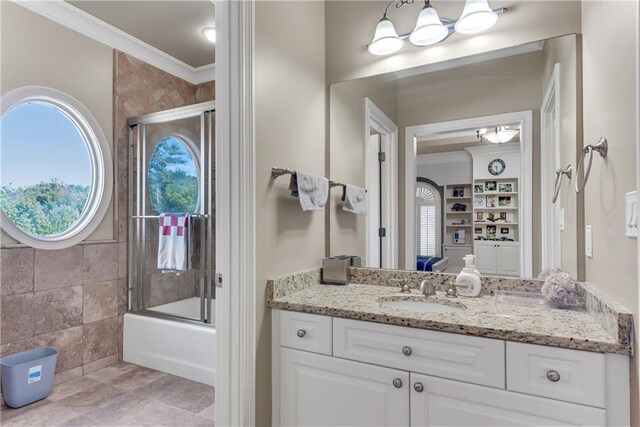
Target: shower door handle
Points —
{"points": [[218, 280]]}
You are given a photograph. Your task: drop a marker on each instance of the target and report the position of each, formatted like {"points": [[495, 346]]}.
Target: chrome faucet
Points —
{"points": [[404, 287], [427, 288]]}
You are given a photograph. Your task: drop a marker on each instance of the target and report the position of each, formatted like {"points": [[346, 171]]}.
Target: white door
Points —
{"points": [[550, 163], [439, 402], [319, 390], [373, 197], [507, 260], [485, 258]]}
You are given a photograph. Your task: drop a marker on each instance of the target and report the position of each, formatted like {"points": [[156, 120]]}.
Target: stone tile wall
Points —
{"points": [[68, 299]]}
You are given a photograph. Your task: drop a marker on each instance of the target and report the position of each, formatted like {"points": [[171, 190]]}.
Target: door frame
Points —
{"points": [[235, 214], [549, 163], [375, 118], [435, 130]]}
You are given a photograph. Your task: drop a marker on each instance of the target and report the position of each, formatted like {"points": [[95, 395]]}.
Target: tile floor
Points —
{"points": [[120, 395]]}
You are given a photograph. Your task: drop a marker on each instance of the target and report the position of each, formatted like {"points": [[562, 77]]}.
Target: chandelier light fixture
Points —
{"points": [[498, 135], [430, 29]]}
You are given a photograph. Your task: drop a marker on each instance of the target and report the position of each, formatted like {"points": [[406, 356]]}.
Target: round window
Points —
{"points": [[173, 177], [55, 168]]}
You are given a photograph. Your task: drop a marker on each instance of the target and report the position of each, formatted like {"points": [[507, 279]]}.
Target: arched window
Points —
{"points": [[56, 170], [428, 213], [173, 176]]}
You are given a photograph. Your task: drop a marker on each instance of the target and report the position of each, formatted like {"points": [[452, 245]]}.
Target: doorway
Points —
{"points": [[381, 179]]}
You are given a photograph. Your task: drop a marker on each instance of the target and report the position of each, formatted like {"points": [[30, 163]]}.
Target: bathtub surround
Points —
{"points": [[140, 88], [605, 326]]}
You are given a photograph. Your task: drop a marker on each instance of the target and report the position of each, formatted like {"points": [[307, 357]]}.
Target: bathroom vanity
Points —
{"points": [[366, 354]]}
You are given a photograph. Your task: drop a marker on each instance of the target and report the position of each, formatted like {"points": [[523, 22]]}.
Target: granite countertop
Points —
{"points": [[482, 316]]}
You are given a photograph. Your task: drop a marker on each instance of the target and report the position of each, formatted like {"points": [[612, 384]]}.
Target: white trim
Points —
{"points": [[618, 384], [375, 118], [423, 132], [101, 167], [443, 158], [235, 228], [69, 16], [549, 163]]}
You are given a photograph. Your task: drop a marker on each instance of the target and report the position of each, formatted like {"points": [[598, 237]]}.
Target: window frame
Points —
{"points": [[438, 216], [101, 167]]}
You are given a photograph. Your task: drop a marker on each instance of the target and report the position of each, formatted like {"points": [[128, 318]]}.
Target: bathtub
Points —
{"points": [[185, 349]]}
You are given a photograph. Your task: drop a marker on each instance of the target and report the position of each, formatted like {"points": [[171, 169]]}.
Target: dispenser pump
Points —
{"points": [[468, 281]]}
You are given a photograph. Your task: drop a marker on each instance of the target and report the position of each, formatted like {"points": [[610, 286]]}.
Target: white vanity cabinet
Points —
{"points": [[319, 390], [372, 374], [501, 258]]}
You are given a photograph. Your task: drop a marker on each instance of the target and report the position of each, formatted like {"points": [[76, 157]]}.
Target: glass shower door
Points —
{"points": [[172, 202]]}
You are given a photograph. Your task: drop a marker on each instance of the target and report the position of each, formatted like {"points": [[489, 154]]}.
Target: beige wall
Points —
{"points": [[290, 132], [609, 67], [350, 27], [566, 51], [36, 51], [347, 232]]}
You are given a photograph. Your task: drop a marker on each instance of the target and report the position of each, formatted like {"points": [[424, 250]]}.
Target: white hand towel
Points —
{"points": [[355, 199], [312, 190], [174, 242]]}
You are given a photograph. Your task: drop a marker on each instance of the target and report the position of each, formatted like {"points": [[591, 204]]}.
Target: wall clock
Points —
{"points": [[496, 166]]}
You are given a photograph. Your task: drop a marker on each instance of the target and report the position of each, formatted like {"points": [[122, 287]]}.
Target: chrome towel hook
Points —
{"points": [[556, 186], [602, 147]]}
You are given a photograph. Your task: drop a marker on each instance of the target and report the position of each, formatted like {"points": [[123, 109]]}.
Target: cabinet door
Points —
{"points": [[451, 403], [319, 390], [485, 258], [508, 260]]}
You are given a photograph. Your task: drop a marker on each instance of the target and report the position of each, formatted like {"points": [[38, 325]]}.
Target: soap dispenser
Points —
{"points": [[468, 281]]}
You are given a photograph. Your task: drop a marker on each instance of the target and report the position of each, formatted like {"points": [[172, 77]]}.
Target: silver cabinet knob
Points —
{"points": [[418, 387], [406, 350], [301, 333], [553, 376], [397, 382]]}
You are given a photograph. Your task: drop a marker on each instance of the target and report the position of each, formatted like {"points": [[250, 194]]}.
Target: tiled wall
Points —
{"points": [[70, 299], [74, 299]]}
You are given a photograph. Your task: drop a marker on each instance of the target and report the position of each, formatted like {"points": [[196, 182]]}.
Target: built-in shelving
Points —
{"points": [[454, 232], [495, 209]]}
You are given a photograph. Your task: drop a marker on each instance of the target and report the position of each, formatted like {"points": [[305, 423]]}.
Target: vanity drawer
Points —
{"points": [[569, 375], [303, 331], [458, 357]]}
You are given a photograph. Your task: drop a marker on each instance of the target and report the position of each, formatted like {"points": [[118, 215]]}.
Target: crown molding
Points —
{"points": [[88, 25]]}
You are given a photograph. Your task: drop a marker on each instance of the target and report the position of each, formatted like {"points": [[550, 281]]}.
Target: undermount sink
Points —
{"points": [[421, 304]]}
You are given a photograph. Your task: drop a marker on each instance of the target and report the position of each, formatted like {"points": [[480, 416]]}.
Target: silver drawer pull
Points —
{"points": [[397, 382], [301, 333], [553, 376], [406, 350], [418, 387]]}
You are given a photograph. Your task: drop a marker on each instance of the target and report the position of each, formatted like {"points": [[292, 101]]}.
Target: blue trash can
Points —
{"points": [[28, 376]]}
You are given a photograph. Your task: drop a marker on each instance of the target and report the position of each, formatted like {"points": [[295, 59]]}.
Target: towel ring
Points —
{"points": [[601, 147], [556, 186]]}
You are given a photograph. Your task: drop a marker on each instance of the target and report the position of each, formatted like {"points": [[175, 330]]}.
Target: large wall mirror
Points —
{"points": [[472, 156]]}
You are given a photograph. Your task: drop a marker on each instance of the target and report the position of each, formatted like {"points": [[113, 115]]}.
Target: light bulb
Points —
{"points": [[429, 30], [209, 33], [385, 40], [476, 17]]}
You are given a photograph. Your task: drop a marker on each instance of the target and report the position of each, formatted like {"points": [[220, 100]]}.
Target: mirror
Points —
{"points": [[463, 157]]}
